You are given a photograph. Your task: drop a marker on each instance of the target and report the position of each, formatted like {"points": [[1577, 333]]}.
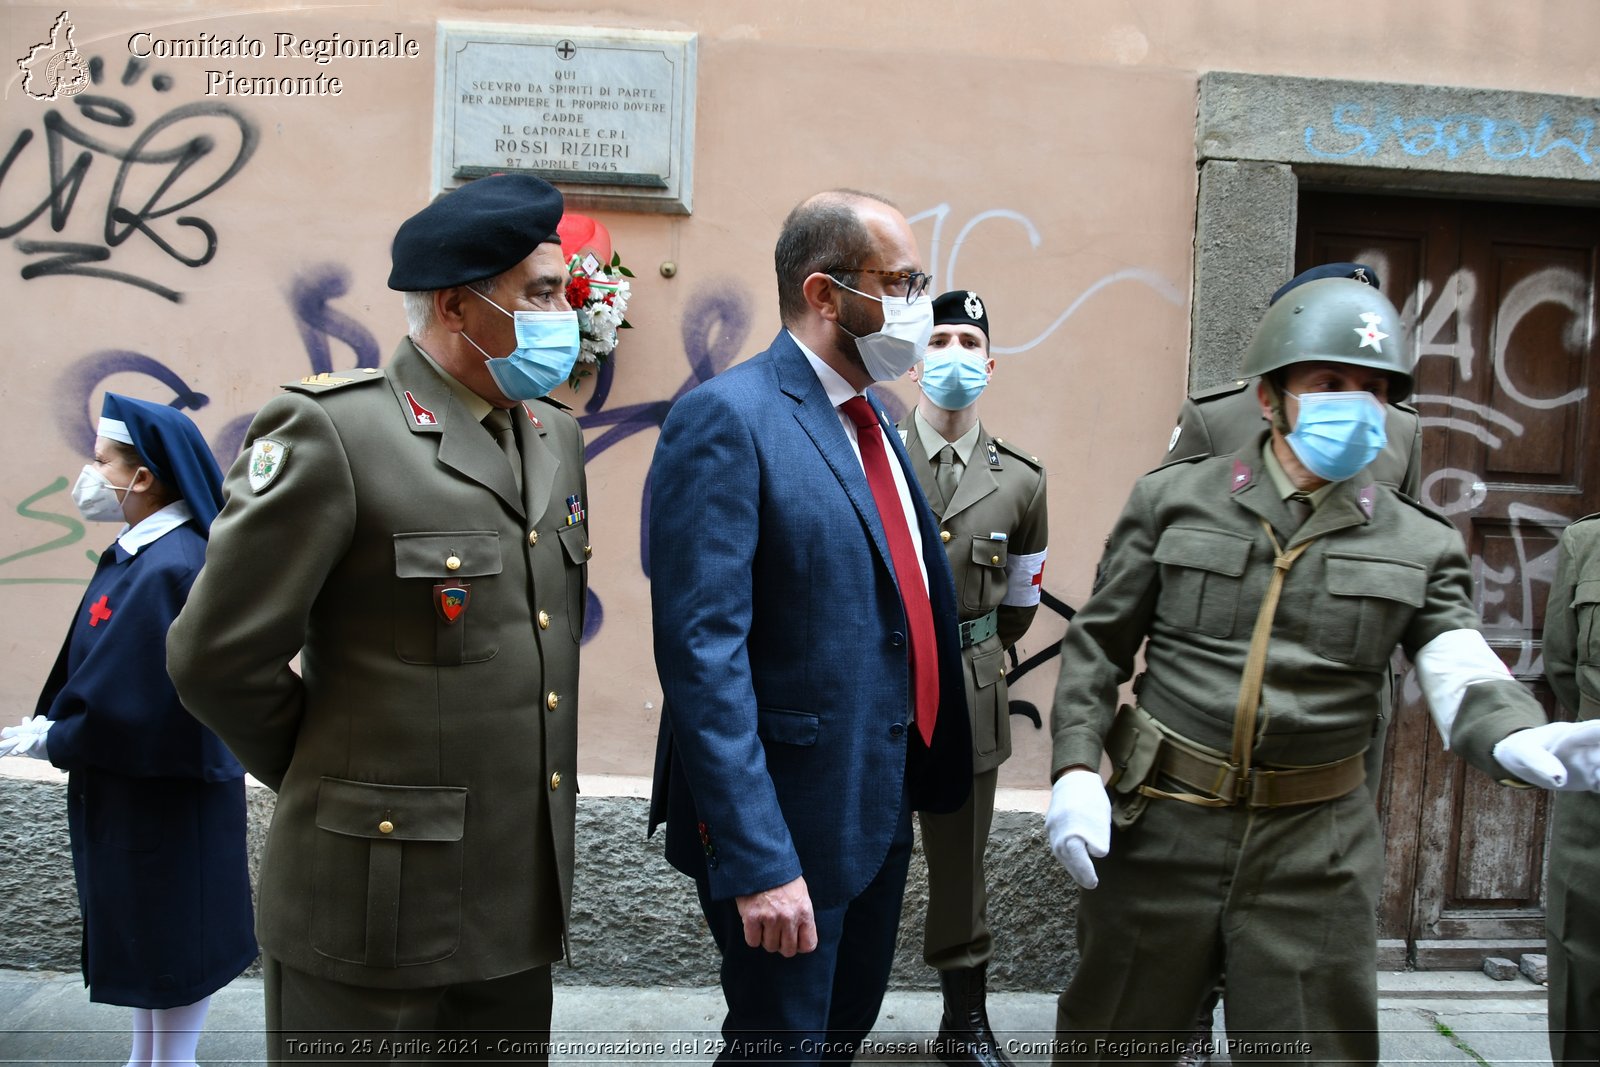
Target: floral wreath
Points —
{"points": [[598, 291]]}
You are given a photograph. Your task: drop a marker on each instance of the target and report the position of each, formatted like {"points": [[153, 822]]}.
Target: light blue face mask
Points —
{"points": [[547, 350], [952, 379], [1338, 434]]}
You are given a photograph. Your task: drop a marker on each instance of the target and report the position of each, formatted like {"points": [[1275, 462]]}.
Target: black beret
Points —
{"points": [[1357, 271], [961, 307], [484, 228]]}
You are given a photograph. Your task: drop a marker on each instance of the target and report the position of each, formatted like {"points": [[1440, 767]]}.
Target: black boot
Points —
{"points": [[964, 1034]]}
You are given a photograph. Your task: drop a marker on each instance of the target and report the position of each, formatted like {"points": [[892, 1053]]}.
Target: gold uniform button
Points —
{"points": [[994, 559], [551, 700], [587, 551], [386, 827], [555, 780], [452, 563], [544, 620], [944, 535], [533, 537]]}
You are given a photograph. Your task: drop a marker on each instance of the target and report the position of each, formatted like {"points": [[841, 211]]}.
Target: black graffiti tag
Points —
{"points": [[179, 159]]}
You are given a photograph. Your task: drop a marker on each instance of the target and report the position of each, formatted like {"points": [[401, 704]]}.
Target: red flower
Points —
{"points": [[578, 292]]}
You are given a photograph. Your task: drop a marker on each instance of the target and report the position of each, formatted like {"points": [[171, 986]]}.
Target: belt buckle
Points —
{"points": [[1229, 785]]}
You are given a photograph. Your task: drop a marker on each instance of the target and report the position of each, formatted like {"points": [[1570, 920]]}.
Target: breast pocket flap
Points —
{"points": [[429, 555], [1586, 592], [392, 812], [1390, 579], [987, 552], [575, 539], [1208, 550], [786, 727]]}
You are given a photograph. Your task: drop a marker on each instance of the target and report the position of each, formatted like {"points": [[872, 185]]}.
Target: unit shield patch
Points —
{"points": [[267, 458]]}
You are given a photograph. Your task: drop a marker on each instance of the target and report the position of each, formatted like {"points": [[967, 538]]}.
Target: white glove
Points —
{"points": [[1078, 824], [27, 738], [1557, 755]]}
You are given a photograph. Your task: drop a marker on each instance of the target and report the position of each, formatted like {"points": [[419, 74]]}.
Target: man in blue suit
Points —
{"points": [[806, 639]]}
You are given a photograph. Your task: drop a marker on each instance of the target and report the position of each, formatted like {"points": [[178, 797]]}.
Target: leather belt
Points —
{"points": [[979, 629], [1221, 785]]}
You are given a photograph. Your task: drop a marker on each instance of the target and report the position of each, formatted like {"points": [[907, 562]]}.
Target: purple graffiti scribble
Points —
{"points": [[715, 325], [211, 125], [80, 381], [310, 294]]}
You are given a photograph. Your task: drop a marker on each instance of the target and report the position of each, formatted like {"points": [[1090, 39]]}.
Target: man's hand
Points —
{"points": [[1557, 755], [26, 738], [1078, 823], [779, 920]]}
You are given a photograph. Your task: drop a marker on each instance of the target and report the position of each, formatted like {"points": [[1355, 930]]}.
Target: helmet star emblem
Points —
{"points": [[1370, 334]]}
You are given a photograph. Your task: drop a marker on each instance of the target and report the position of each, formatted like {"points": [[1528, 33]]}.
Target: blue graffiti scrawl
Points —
{"points": [[173, 163], [1363, 130]]}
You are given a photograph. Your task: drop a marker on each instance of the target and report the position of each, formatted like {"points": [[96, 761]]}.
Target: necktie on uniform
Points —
{"points": [[946, 476], [498, 423], [924, 645]]}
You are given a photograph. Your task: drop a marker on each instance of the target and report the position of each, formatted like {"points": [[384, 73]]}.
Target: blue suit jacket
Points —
{"points": [[780, 640]]}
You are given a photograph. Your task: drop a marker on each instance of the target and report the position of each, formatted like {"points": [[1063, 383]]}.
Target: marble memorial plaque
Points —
{"points": [[607, 115]]}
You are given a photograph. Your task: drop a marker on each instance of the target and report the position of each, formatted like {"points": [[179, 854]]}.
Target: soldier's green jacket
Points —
{"points": [[1002, 490], [1572, 908], [424, 768], [1185, 570]]}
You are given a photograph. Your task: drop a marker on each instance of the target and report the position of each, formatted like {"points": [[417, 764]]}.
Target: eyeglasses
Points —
{"points": [[916, 282]]}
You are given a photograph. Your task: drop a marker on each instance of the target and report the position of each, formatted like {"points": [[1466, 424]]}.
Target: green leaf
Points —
{"points": [[625, 270]]}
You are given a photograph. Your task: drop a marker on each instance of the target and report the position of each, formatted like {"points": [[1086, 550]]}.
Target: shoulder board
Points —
{"points": [[1012, 449], [1215, 391], [313, 384], [1585, 518], [553, 402], [1195, 458], [1420, 506]]}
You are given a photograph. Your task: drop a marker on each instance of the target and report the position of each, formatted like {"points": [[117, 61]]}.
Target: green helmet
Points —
{"points": [[1335, 320]]}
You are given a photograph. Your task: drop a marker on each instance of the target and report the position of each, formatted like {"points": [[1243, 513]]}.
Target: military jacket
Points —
{"points": [[1572, 621], [995, 533], [1184, 573], [424, 754]]}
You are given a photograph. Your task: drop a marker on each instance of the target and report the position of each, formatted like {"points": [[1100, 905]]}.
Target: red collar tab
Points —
{"points": [[1242, 474], [419, 414]]}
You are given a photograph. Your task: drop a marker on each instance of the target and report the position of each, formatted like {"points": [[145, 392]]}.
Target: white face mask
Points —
{"points": [[96, 498], [895, 349]]}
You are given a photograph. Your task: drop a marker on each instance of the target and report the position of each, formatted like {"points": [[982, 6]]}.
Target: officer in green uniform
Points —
{"points": [[418, 537], [989, 496], [1220, 421], [1267, 590], [1572, 905]]}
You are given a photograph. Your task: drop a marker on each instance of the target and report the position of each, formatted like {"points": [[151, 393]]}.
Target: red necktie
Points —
{"points": [[924, 646]]}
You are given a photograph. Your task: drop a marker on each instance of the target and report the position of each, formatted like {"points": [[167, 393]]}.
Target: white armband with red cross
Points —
{"points": [[1024, 579]]}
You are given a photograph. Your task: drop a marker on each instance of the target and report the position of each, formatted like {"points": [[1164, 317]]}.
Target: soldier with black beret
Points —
{"points": [[989, 497], [418, 536]]}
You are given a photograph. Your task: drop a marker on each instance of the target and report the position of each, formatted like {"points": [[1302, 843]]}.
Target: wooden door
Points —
{"points": [[1501, 298]]}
